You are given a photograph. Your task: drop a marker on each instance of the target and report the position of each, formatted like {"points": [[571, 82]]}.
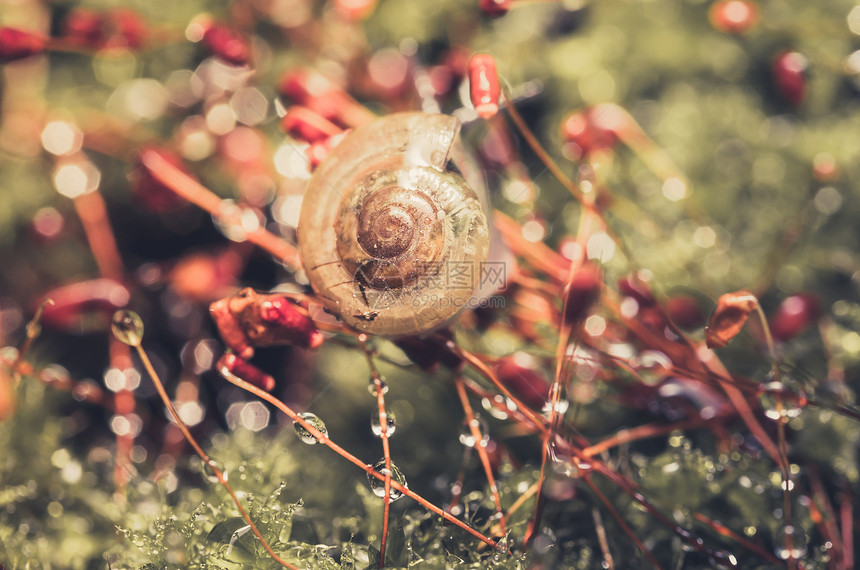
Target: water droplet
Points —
{"points": [[496, 407], [378, 485], [565, 466], [720, 559], [467, 438], [561, 407], [127, 327], [236, 536], [544, 541], [211, 467], [390, 423], [790, 542], [304, 434], [235, 221], [780, 400], [371, 387], [654, 366]]}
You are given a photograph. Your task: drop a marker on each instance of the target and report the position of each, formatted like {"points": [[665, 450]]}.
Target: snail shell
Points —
{"points": [[392, 239]]}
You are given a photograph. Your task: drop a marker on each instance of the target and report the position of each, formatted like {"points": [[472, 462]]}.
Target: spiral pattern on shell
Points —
{"points": [[392, 238]]}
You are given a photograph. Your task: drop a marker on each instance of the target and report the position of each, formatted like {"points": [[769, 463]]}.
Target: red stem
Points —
{"points": [[383, 434], [477, 436], [185, 186], [323, 439]]}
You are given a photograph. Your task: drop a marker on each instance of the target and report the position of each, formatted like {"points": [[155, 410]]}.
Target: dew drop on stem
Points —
{"points": [[211, 468], [723, 560], [127, 327], [371, 387], [781, 399], [498, 407], [390, 423], [790, 542], [378, 485], [561, 407], [467, 438], [304, 434]]}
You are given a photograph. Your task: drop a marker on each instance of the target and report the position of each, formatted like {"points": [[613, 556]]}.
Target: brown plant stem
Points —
{"points": [[566, 332], [822, 513], [32, 331], [124, 404], [782, 444], [485, 371], [185, 186], [477, 436], [617, 516], [846, 515], [521, 500], [723, 530], [207, 461], [538, 255], [600, 529], [323, 439], [383, 434], [92, 211], [640, 432], [538, 149]]}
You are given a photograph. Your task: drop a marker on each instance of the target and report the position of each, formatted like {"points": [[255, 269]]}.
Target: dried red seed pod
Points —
{"points": [[524, 382], [794, 315], [302, 85], [119, 28], [249, 319], [232, 364], [428, 353], [84, 27], [149, 190], [128, 29], [18, 44], [313, 90], [85, 306], [729, 318], [638, 288], [307, 125], [652, 318], [789, 76], [318, 151], [733, 16], [685, 312], [293, 325], [484, 87], [495, 8], [581, 293], [230, 329], [227, 44]]}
